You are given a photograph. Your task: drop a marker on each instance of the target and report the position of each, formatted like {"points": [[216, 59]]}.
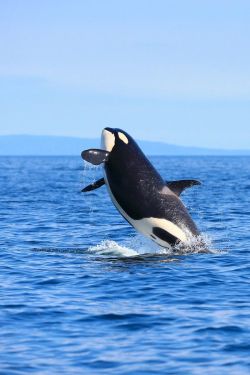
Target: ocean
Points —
{"points": [[83, 293]]}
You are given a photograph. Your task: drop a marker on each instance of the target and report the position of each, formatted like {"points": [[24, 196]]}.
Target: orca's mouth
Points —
{"points": [[107, 139]]}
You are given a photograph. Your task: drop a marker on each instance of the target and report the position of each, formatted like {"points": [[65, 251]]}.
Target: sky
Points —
{"points": [[176, 71]]}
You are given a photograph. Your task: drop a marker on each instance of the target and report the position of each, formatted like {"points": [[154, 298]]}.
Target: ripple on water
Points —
{"points": [[81, 293]]}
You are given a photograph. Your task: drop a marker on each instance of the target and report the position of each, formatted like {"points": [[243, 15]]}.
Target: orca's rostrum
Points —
{"points": [[150, 204]]}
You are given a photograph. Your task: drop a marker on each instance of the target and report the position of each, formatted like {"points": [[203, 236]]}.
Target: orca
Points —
{"points": [[148, 202]]}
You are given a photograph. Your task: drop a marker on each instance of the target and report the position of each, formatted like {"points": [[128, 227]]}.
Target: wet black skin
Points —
{"points": [[140, 190]]}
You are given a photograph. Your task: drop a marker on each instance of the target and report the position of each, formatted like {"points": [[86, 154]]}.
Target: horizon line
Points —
{"points": [[139, 140]]}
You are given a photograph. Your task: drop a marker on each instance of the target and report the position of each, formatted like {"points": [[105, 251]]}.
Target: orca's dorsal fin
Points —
{"points": [[95, 156], [94, 185], [177, 187]]}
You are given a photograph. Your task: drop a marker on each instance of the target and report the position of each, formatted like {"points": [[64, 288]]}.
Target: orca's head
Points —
{"points": [[113, 138]]}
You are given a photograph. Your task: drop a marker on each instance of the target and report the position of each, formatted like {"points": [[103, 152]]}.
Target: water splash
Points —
{"points": [[108, 247], [88, 166], [195, 244], [140, 245]]}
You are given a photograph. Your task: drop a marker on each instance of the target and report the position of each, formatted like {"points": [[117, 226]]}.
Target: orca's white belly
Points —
{"points": [[146, 225]]}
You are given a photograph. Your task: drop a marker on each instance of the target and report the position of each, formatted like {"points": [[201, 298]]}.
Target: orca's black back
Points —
{"points": [[137, 187]]}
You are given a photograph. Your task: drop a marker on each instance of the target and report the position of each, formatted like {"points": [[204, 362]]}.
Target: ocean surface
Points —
{"points": [[83, 293]]}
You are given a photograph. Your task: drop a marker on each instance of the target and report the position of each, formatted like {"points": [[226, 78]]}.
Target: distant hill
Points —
{"points": [[57, 145]]}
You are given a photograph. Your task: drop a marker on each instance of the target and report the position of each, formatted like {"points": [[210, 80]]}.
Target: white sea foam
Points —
{"points": [[140, 245], [108, 247]]}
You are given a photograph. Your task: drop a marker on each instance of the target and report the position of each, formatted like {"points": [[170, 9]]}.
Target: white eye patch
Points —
{"points": [[123, 137]]}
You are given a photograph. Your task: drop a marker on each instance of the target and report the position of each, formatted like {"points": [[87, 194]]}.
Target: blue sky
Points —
{"points": [[175, 71]]}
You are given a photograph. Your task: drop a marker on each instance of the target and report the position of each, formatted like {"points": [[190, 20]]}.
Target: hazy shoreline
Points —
{"points": [[30, 145]]}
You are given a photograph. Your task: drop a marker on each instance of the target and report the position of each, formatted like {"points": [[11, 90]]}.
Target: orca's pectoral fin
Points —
{"points": [[95, 156], [178, 186], [94, 185]]}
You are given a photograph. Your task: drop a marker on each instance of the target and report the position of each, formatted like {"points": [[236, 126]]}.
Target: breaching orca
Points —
{"points": [[150, 204]]}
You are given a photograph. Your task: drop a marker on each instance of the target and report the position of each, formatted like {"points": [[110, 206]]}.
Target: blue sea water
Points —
{"points": [[82, 293]]}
